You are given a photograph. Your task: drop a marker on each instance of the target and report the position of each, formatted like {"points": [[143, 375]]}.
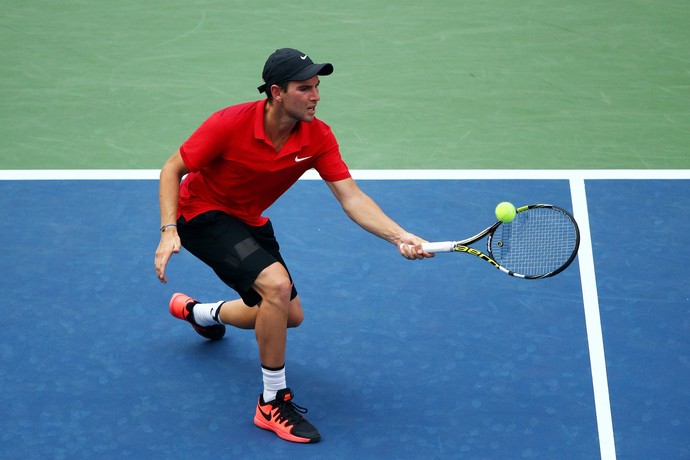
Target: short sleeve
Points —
{"points": [[330, 164], [205, 144]]}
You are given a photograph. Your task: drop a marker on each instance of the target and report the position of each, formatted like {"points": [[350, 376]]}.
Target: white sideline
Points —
{"points": [[595, 339]]}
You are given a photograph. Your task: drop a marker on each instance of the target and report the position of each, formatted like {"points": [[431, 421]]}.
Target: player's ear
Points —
{"points": [[277, 93]]}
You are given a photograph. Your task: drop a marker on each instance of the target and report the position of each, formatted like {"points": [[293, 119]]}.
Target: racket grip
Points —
{"points": [[441, 246]]}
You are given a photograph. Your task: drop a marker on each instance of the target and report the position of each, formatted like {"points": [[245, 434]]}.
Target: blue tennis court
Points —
{"points": [[444, 358]]}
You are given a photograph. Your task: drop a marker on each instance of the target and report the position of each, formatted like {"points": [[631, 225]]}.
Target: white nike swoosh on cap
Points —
{"points": [[303, 57]]}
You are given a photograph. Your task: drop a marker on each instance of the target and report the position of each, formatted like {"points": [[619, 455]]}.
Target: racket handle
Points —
{"points": [[441, 246]]}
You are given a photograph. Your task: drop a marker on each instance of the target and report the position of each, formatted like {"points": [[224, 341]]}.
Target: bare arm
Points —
{"points": [[368, 215], [168, 194]]}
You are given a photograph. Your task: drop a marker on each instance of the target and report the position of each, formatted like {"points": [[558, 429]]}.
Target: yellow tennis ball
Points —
{"points": [[505, 212]]}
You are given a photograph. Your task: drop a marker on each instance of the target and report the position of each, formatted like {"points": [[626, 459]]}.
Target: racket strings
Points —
{"points": [[539, 241]]}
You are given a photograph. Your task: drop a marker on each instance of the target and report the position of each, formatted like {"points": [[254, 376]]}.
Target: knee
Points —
{"points": [[281, 288], [275, 287]]}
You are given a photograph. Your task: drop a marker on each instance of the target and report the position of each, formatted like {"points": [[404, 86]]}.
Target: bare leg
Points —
{"points": [[237, 313], [273, 284]]}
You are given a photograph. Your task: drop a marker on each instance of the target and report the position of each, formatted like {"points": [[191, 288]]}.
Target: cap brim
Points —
{"points": [[312, 70]]}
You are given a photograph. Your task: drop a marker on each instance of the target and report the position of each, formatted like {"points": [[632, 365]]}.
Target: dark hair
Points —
{"points": [[283, 86]]}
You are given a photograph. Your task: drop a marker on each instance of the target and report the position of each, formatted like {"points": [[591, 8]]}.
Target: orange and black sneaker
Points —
{"points": [[181, 306], [285, 419]]}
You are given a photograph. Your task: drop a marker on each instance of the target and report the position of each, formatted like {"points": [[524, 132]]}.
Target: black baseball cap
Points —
{"points": [[287, 64]]}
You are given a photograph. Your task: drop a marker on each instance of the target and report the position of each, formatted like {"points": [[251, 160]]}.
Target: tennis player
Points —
{"points": [[237, 163]]}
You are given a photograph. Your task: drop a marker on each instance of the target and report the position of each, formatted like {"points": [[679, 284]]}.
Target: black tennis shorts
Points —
{"points": [[236, 252]]}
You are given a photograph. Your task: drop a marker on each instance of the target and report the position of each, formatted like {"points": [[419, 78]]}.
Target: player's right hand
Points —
{"points": [[170, 244]]}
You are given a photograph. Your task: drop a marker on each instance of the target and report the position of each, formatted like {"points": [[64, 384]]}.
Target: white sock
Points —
{"points": [[205, 314], [274, 380]]}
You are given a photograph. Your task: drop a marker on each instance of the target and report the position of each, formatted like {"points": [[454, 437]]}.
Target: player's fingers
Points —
{"points": [[409, 251], [159, 263], [420, 254], [160, 272], [427, 254]]}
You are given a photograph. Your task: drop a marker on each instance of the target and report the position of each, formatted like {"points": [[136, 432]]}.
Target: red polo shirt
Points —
{"points": [[233, 167]]}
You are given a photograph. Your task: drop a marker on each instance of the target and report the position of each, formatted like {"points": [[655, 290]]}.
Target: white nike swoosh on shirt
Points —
{"points": [[298, 159]]}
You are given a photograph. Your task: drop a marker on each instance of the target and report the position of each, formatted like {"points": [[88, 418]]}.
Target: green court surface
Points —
{"points": [[535, 84]]}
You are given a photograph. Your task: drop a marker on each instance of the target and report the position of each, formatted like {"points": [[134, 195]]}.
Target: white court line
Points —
{"points": [[372, 174], [79, 174], [595, 339]]}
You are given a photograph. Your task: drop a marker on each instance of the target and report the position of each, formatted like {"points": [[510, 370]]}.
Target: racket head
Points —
{"points": [[540, 242]]}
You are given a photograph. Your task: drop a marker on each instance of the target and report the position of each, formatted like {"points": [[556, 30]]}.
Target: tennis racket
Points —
{"points": [[540, 242]]}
